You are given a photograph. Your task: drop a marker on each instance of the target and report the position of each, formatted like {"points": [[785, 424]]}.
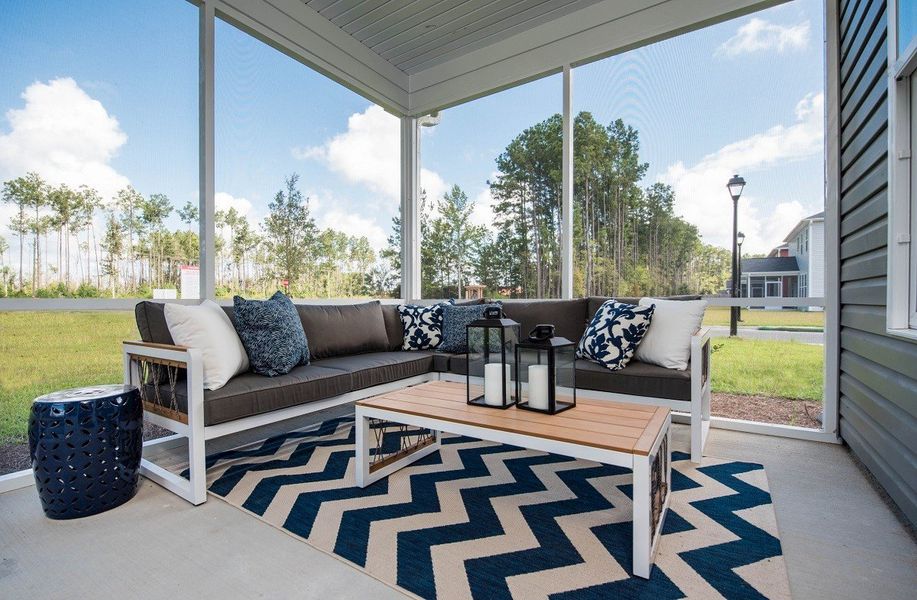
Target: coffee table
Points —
{"points": [[633, 436]]}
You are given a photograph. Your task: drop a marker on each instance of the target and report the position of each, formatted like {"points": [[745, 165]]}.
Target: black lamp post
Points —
{"points": [[740, 238], [735, 187]]}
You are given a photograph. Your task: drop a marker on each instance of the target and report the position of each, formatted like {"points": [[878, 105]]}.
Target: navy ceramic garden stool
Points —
{"points": [[85, 445]]}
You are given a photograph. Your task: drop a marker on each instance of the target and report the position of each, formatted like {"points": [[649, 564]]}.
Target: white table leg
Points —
{"points": [[642, 525], [362, 450], [646, 533]]}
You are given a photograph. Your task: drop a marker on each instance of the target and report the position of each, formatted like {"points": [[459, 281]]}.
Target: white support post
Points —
{"points": [[206, 150], [410, 209], [832, 221], [566, 234]]}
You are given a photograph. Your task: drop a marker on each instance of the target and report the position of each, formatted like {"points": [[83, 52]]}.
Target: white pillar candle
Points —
{"points": [[493, 383], [538, 387]]}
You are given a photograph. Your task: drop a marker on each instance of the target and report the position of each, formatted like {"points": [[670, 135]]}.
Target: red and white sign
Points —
{"points": [[190, 282]]}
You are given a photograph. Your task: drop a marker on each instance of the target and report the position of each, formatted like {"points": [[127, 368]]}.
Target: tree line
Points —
{"points": [[62, 254], [627, 239]]}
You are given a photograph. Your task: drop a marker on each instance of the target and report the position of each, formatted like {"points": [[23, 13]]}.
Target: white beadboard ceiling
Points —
{"points": [[414, 35]]}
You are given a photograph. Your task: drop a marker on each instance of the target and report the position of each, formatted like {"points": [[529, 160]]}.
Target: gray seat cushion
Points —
{"points": [[458, 364], [441, 361], [376, 368], [251, 394], [636, 379], [568, 316]]}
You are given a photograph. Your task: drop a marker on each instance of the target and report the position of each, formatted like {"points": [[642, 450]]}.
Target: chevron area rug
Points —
{"points": [[484, 520]]}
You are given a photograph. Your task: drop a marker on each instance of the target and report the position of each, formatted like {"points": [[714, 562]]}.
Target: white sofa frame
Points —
{"points": [[197, 434]]}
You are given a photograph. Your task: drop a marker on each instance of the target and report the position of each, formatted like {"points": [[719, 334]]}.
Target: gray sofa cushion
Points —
{"points": [[151, 322], [596, 301], [568, 316], [337, 330], [636, 379], [458, 364], [393, 329], [441, 361], [376, 368], [250, 394]]}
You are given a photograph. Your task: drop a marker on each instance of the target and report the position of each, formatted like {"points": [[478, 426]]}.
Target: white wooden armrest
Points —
{"points": [[700, 391], [189, 424]]}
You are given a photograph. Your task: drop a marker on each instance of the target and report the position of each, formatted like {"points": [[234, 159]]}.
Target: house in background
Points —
{"points": [[806, 242], [795, 269]]}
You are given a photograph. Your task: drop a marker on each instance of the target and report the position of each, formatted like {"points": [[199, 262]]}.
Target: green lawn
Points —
{"points": [[719, 315], [47, 351], [768, 368]]}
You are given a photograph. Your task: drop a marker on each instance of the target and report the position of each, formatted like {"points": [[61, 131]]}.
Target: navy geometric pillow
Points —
{"points": [[455, 323], [614, 333], [422, 325], [272, 334]]}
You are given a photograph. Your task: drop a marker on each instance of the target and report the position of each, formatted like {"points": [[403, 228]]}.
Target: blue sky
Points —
{"points": [[118, 83]]}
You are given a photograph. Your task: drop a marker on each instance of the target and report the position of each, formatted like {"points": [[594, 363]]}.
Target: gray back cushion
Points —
{"points": [[393, 328], [596, 301], [334, 330], [567, 316], [151, 322]]}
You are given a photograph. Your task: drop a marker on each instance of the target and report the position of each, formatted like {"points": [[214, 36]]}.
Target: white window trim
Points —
{"points": [[901, 306]]}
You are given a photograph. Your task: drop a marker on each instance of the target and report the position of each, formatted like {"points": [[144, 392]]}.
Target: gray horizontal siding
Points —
{"points": [[878, 373]]}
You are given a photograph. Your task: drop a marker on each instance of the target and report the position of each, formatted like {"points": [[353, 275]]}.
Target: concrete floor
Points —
{"points": [[840, 540]]}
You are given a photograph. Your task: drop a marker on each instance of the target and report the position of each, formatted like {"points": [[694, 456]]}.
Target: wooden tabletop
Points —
{"points": [[608, 425]]}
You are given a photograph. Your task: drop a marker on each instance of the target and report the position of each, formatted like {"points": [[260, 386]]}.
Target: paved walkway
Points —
{"points": [[753, 333]]}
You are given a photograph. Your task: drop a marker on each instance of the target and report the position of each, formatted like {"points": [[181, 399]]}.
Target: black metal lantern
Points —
{"points": [[545, 363], [489, 361]]}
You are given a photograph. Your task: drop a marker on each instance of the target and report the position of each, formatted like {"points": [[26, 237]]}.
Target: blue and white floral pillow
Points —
{"points": [[614, 333], [422, 325]]}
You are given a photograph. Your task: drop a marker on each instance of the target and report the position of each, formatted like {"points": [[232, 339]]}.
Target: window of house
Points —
{"points": [[902, 56], [803, 285]]}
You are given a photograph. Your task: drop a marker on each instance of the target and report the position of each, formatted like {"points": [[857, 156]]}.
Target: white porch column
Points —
{"points": [[206, 151], [410, 209], [566, 232]]}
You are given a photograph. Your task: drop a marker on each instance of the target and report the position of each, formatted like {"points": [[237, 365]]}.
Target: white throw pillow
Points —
{"points": [[207, 328], [667, 342]]}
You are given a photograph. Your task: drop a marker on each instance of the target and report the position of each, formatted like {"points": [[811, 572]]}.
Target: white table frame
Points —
{"points": [[645, 538]]}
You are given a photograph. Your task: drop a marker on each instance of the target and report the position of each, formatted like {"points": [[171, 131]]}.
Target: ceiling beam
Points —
{"points": [[300, 32], [604, 29]]}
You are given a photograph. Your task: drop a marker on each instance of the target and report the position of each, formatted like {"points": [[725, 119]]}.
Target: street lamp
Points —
{"points": [[740, 238], [735, 187]]}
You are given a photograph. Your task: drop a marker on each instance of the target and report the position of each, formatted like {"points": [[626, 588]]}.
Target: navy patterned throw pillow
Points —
{"points": [[614, 333], [455, 322], [422, 325], [272, 334]]}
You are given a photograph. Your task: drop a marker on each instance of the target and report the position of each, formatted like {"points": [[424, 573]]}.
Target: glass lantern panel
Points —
{"points": [[490, 346], [565, 366], [533, 376]]}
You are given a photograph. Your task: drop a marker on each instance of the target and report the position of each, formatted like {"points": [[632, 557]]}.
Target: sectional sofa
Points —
{"points": [[356, 353]]}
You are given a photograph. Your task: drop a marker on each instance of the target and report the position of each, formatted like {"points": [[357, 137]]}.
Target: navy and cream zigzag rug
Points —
{"points": [[484, 520]]}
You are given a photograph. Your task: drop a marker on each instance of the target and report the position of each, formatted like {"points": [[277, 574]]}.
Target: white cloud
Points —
{"points": [[64, 135], [700, 192], [369, 154], [355, 225], [759, 35], [483, 213], [225, 201]]}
